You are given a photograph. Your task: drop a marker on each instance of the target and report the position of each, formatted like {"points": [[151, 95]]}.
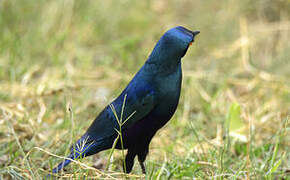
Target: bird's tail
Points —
{"points": [[61, 165], [85, 146]]}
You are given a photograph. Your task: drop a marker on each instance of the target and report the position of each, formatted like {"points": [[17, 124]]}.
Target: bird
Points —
{"points": [[146, 104]]}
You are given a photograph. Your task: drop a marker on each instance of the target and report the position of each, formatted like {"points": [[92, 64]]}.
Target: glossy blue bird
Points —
{"points": [[144, 106]]}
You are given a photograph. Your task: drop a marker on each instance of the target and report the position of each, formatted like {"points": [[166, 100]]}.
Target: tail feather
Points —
{"points": [[85, 146], [61, 165]]}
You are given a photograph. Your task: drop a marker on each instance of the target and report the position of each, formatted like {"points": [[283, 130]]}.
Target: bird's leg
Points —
{"points": [[129, 160], [142, 166], [141, 158]]}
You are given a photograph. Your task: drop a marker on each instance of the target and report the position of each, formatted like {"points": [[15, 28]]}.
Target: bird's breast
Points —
{"points": [[168, 88], [169, 85]]}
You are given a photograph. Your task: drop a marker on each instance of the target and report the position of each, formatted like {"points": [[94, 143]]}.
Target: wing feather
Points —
{"points": [[134, 103]]}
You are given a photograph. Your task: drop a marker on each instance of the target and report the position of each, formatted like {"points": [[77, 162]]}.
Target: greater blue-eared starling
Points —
{"points": [[145, 105]]}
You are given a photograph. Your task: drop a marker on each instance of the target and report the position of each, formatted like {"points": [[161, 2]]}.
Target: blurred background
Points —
{"points": [[233, 116]]}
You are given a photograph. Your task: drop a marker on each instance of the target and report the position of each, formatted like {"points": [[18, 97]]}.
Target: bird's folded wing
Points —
{"points": [[134, 103]]}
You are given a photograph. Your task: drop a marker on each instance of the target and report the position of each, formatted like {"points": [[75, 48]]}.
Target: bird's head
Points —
{"points": [[172, 46], [178, 39]]}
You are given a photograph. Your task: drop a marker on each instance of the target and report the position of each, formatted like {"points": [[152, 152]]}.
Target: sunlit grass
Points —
{"points": [[62, 62]]}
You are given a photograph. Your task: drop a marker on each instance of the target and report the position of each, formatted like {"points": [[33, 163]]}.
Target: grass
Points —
{"points": [[61, 62]]}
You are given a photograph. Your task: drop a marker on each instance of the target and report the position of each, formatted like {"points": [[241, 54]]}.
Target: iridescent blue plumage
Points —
{"points": [[151, 99]]}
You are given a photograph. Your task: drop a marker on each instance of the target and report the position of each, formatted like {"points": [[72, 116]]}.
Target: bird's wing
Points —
{"points": [[134, 103]]}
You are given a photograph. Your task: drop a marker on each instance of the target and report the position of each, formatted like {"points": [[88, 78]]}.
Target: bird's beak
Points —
{"points": [[195, 33]]}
